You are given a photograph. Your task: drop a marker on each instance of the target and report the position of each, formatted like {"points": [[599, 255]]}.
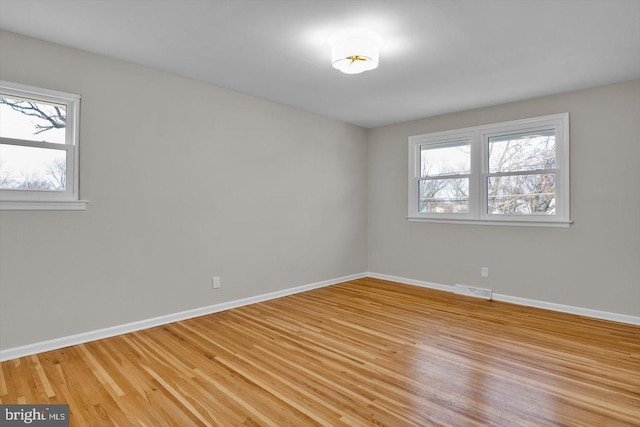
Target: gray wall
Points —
{"points": [[185, 181], [593, 264]]}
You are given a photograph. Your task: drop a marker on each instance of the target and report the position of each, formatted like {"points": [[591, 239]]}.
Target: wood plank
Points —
{"points": [[364, 352]]}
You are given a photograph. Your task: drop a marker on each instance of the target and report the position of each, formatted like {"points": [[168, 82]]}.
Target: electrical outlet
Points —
{"points": [[484, 271], [216, 282]]}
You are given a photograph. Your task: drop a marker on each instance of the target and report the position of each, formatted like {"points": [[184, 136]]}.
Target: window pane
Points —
{"points": [[31, 120], [444, 196], [31, 168], [522, 152], [445, 159], [522, 194]]}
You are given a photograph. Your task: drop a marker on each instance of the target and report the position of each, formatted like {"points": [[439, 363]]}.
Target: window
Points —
{"points": [[38, 148], [445, 172], [514, 173]]}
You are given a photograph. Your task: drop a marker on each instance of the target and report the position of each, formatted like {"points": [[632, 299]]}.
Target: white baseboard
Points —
{"points": [[413, 282], [587, 312], [84, 337]]}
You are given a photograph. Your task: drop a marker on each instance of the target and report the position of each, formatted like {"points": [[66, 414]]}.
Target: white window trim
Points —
{"points": [[479, 136], [48, 200]]}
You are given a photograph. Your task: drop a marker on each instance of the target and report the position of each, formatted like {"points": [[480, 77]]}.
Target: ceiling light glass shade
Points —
{"points": [[354, 51]]}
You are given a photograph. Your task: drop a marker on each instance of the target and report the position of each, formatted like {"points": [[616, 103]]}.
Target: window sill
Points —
{"points": [[43, 205], [554, 224]]}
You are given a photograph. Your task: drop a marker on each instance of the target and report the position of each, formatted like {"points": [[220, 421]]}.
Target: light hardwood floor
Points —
{"points": [[365, 352]]}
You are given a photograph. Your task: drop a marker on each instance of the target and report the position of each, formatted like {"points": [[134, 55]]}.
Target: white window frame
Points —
{"points": [[478, 197], [48, 200], [438, 139]]}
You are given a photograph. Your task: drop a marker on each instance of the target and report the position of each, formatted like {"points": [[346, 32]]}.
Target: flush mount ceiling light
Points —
{"points": [[354, 50]]}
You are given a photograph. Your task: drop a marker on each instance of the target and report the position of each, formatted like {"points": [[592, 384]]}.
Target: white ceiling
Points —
{"points": [[438, 57]]}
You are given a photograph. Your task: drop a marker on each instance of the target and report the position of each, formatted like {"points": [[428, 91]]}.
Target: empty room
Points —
{"points": [[313, 212]]}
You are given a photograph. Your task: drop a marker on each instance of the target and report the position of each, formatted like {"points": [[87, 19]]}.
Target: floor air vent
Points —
{"points": [[472, 292]]}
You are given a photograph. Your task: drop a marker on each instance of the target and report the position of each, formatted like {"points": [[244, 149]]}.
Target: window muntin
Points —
{"points": [[517, 173], [38, 148]]}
